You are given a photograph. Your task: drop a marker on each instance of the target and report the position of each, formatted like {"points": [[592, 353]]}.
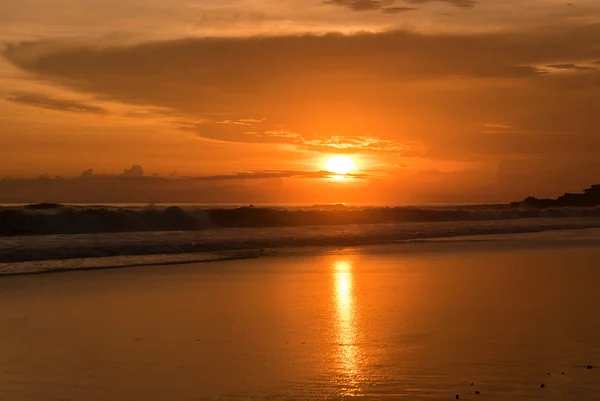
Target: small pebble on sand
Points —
{"points": [[542, 385]]}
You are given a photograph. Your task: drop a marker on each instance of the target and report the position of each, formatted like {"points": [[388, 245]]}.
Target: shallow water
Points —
{"points": [[368, 323], [43, 253]]}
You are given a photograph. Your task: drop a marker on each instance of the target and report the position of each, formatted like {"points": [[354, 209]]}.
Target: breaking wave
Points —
{"points": [[43, 219], [59, 252]]}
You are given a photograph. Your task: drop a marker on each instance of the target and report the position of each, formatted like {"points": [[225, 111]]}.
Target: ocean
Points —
{"points": [[489, 316], [48, 237]]}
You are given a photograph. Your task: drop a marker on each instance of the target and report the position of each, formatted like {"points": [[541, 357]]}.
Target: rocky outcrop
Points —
{"points": [[589, 197]]}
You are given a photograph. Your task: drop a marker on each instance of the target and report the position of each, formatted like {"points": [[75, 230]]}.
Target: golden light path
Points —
{"points": [[346, 327]]}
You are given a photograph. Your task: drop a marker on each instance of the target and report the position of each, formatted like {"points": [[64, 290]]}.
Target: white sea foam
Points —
{"points": [[43, 253]]}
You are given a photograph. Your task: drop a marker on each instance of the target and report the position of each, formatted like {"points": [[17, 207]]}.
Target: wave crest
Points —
{"points": [[48, 218]]}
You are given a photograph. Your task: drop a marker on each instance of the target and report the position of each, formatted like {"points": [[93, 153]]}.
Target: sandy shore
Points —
{"points": [[373, 323]]}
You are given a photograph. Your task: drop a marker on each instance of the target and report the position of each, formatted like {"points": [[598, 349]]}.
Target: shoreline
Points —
{"points": [[555, 238]]}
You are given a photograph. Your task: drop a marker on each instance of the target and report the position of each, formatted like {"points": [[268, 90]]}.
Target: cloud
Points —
{"points": [[259, 131], [363, 144], [133, 186], [89, 173], [365, 92], [572, 67], [135, 171], [273, 174], [242, 130], [362, 5], [495, 128], [389, 7], [396, 10], [204, 70], [45, 102], [456, 3]]}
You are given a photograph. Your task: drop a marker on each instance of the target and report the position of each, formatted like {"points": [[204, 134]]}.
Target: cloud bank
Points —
{"points": [[387, 91]]}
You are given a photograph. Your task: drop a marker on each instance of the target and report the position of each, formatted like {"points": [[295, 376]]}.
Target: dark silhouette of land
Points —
{"points": [[590, 197]]}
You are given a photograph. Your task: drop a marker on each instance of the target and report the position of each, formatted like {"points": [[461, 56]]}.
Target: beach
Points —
{"points": [[423, 320]]}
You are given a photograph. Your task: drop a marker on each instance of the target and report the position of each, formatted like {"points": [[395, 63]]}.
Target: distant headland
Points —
{"points": [[589, 197]]}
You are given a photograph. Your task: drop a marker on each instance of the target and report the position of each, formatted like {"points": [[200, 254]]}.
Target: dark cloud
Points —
{"points": [[456, 3], [45, 102], [573, 67], [362, 5], [263, 186], [390, 7], [399, 88], [245, 131], [397, 10], [243, 64], [135, 171], [89, 173], [267, 174]]}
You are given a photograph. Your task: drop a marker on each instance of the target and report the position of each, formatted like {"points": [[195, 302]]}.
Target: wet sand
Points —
{"points": [[374, 323]]}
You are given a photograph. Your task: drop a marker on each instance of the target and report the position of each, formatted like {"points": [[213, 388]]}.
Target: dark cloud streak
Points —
{"points": [[45, 102], [397, 10], [389, 6], [456, 3], [267, 174], [362, 5], [571, 67]]}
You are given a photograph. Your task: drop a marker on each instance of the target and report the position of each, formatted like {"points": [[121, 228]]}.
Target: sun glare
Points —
{"points": [[340, 165]]}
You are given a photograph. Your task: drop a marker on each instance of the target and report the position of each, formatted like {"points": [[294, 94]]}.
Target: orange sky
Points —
{"points": [[245, 100]]}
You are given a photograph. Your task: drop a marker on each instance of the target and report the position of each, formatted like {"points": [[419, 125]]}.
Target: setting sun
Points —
{"points": [[340, 165]]}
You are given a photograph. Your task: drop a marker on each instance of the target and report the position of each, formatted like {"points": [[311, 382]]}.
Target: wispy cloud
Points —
{"points": [[397, 10], [266, 174], [390, 7], [259, 131], [572, 67], [45, 102], [362, 144], [496, 128]]}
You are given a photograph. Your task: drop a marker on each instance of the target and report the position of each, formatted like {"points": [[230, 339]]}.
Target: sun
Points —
{"points": [[340, 165]]}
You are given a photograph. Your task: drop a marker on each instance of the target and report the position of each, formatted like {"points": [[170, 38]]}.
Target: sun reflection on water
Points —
{"points": [[346, 327]]}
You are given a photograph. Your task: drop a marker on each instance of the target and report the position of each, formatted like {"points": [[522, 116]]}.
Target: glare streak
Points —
{"points": [[346, 327]]}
